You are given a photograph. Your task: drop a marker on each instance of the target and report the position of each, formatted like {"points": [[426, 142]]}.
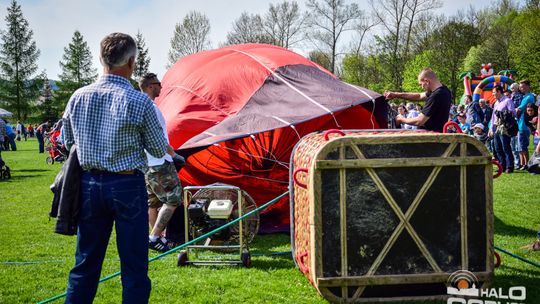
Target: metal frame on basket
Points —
{"points": [[245, 257]]}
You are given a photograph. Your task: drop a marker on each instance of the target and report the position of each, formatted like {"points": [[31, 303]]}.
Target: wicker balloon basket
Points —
{"points": [[390, 216]]}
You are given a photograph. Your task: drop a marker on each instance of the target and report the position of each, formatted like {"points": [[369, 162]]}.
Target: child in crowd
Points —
{"points": [[480, 134], [402, 112], [531, 120], [465, 127], [531, 117]]}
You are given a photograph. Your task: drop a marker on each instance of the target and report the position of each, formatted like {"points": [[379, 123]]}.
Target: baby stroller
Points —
{"points": [[5, 173], [57, 151]]}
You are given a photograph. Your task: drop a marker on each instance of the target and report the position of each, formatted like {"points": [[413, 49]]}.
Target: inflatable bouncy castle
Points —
{"points": [[479, 87]]}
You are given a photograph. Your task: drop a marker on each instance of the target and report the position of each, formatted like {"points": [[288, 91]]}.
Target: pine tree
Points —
{"points": [[46, 103], [143, 60], [77, 69], [18, 62]]}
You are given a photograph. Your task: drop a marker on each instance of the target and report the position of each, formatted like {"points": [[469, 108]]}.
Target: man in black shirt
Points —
{"points": [[438, 101]]}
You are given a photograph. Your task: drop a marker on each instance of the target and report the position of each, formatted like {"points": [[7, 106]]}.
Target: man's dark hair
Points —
{"points": [[146, 80], [499, 88], [525, 82], [116, 49]]}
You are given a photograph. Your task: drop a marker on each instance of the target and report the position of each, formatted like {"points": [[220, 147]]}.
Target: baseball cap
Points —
{"points": [[479, 125]]}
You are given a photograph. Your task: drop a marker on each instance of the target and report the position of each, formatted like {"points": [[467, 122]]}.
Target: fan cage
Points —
{"points": [[250, 224]]}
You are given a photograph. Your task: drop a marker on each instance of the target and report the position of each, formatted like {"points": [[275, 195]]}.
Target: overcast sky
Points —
{"points": [[54, 22]]}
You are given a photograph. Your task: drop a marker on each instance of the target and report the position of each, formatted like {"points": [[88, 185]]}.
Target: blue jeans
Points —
{"points": [[12, 142], [515, 149], [108, 199], [503, 151], [39, 137], [523, 141]]}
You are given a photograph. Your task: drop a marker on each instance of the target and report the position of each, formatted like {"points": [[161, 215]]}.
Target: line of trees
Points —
{"points": [[28, 94], [381, 49]]}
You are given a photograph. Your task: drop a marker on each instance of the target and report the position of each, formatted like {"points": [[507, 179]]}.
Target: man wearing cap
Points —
{"points": [[438, 101], [480, 134], [112, 186]]}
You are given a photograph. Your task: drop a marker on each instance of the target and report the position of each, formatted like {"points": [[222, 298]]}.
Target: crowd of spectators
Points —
{"points": [[506, 126], [12, 133], [510, 122]]}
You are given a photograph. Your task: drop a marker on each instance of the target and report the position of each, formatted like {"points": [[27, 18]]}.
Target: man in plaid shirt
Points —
{"points": [[112, 124]]}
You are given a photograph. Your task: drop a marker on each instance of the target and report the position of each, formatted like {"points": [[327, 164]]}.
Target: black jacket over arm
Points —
{"points": [[66, 200]]}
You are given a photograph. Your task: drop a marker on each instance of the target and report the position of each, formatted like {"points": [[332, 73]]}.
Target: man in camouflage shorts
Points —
{"points": [[162, 182], [163, 186]]}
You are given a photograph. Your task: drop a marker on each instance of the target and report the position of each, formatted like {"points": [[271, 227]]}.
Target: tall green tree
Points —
{"points": [[320, 58], [284, 23], [413, 68], [77, 69], [18, 62], [248, 28], [190, 36], [525, 45], [497, 42], [363, 70], [398, 19], [327, 21], [450, 45], [143, 59], [473, 60], [46, 104]]}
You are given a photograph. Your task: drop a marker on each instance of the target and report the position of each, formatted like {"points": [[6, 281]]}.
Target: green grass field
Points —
{"points": [[34, 261]]}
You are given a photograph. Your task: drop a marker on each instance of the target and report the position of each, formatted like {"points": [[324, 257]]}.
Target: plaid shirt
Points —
{"points": [[112, 124]]}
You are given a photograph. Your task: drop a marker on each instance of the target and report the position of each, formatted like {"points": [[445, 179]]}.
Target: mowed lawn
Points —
{"points": [[34, 261]]}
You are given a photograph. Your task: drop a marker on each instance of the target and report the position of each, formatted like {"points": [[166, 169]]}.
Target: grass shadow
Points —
{"points": [[505, 229], [30, 170], [15, 178], [268, 242], [275, 263]]}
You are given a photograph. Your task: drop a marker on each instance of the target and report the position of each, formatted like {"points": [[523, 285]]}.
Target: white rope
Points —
{"points": [[256, 156], [289, 124], [288, 84], [266, 150], [266, 179], [252, 176]]}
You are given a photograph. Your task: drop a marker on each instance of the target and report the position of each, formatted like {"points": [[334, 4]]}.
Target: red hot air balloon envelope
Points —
{"points": [[238, 111]]}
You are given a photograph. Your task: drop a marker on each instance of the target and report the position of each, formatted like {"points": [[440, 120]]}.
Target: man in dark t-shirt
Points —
{"points": [[438, 101]]}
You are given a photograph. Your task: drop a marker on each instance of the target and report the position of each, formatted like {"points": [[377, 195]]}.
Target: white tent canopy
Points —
{"points": [[5, 113]]}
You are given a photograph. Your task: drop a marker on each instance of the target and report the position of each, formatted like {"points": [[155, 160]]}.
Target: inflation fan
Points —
{"points": [[211, 207]]}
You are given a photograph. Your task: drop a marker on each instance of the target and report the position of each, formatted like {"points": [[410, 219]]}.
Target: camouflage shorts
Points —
{"points": [[163, 186]]}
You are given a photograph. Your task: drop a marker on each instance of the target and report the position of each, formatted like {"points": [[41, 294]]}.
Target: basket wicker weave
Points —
{"points": [[408, 208]]}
